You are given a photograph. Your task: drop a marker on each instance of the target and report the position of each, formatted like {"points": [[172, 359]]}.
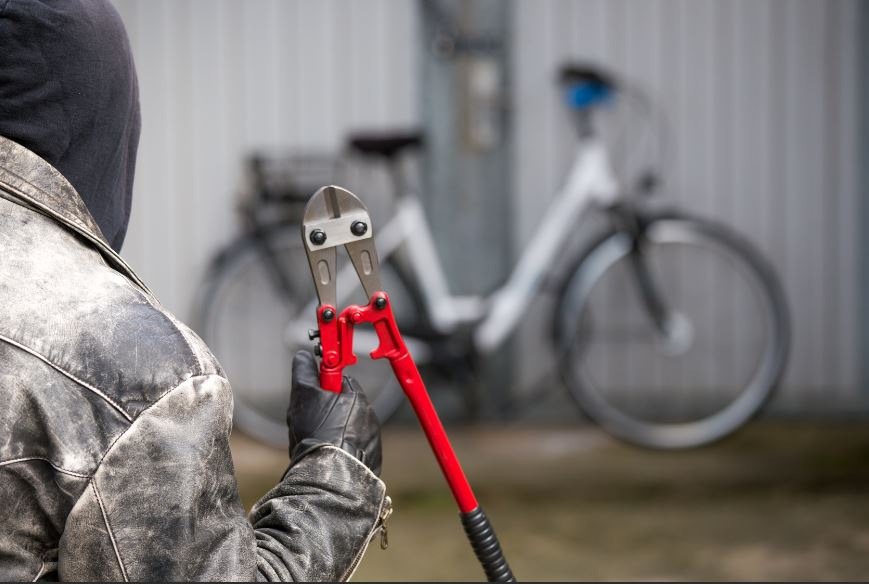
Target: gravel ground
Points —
{"points": [[779, 501]]}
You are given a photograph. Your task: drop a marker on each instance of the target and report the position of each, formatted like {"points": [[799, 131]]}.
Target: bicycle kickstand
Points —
{"points": [[335, 217]]}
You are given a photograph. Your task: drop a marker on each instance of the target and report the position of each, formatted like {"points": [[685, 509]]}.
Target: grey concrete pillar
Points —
{"points": [[467, 180], [864, 199]]}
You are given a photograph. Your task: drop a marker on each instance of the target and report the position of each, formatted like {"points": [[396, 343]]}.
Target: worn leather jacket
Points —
{"points": [[115, 422]]}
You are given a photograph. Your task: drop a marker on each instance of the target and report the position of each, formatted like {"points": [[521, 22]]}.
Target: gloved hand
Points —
{"points": [[318, 417]]}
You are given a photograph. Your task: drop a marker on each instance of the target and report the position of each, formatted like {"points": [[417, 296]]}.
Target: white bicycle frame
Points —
{"points": [[591, 180]]}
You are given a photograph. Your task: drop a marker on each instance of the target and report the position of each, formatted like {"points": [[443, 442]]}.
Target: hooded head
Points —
{"points": [[68, 92]]}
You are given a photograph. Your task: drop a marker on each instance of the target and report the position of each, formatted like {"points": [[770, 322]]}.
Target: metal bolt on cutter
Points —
{"points": [[334, 217]]}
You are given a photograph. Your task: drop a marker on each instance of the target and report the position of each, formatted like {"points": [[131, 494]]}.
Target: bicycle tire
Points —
{"points": [[574, 330], [253, 347]]}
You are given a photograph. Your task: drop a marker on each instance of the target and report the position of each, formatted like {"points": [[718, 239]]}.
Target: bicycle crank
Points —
{"points": [[336, 217]]}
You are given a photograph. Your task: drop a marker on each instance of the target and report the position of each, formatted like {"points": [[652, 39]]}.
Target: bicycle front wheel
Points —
{"points": [[254, 312], [675, 342]]}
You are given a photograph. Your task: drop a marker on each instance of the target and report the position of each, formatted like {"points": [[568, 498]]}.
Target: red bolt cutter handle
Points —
{"points": [[336, 337]]}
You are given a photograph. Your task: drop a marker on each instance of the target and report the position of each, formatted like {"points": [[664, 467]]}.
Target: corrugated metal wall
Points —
{"points": [[221, 77], [761, 97]]}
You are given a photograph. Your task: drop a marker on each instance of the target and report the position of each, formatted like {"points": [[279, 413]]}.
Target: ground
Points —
{"points": [[778, 501]]}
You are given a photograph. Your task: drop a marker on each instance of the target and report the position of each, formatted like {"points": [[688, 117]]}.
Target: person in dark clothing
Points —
{"points": [[114, 433]]}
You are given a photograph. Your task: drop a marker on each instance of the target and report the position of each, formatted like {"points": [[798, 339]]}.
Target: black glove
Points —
{"points": [[318, 417]]}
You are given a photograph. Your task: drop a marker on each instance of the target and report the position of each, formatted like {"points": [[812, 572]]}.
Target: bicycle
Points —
{"points": [[632, 327]]}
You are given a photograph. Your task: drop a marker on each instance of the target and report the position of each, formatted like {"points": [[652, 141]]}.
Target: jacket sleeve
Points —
{"points": [[164, 505]]}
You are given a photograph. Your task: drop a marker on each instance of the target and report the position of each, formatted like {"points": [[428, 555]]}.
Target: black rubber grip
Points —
{"points": [[486, 546]]}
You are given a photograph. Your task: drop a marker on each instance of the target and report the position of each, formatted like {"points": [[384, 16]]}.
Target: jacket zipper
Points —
{"points": [[379, 526]]}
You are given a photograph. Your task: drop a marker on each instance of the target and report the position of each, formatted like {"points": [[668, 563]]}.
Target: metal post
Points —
{"points": [[863, 35], [467, 183]]}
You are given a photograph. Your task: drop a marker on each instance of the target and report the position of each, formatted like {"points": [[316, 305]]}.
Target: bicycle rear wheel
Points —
{"points": [[702, 370], [254, 324]]}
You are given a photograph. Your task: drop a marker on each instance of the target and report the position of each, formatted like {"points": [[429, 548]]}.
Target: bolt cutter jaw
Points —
{"points": [[336, 217]]}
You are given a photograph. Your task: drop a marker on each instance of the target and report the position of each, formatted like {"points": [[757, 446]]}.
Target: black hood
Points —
{"points": [[68, 92]]}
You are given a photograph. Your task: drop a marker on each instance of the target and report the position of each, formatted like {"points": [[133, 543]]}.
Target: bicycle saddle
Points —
{"points": [[387, 145]]}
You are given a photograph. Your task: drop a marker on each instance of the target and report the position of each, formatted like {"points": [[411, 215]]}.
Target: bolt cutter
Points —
{"points": [[336, 217]]}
